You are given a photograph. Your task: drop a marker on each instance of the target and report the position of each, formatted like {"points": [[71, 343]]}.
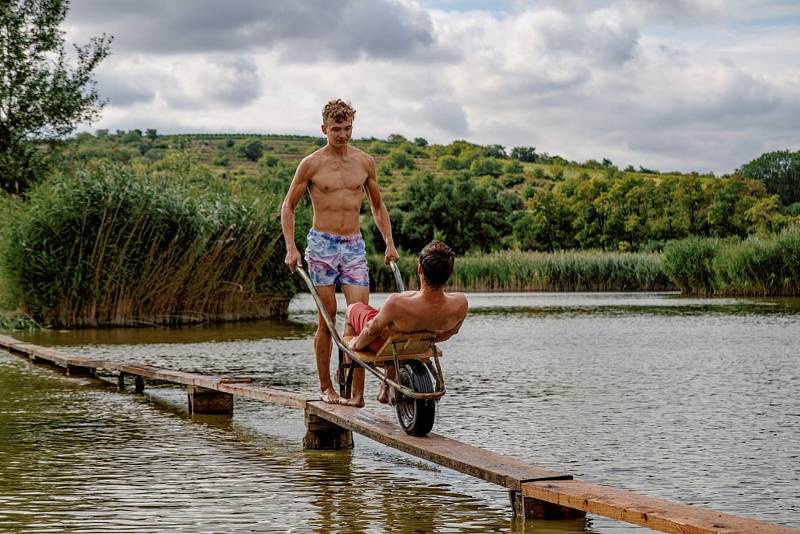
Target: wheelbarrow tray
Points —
{"points": [[400, 347]]}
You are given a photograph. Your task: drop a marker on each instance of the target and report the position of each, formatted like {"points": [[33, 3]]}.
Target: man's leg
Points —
{"points": [[383, 392], [322, 345], [353, 294]]}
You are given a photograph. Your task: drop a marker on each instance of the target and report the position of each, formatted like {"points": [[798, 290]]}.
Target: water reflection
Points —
{"points": [[696, 400]]}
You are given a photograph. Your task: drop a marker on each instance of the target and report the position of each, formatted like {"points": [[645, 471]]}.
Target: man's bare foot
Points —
{"points": [[358, 403], [383, 394], [330, 396]]}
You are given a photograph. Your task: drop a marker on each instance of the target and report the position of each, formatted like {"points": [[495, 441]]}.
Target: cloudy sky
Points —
{"points": [[703, 85]]}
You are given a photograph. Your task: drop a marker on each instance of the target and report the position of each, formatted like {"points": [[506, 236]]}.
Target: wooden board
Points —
{"points": [[292, 399], [650, 512], [487, 465], [417, 346]]}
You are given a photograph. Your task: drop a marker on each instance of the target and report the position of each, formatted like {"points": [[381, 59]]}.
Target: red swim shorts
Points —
{"points": [[358, 315]]}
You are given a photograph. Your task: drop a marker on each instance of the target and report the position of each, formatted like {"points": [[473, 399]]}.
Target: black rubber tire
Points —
{"points": [[415, 416]]}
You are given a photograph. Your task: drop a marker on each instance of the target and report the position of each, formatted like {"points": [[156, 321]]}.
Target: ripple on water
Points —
{"points": [[699, 403]]}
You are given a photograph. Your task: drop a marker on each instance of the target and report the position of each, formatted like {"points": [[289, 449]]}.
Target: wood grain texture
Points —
{"points": [[650, 512], [487, 465]]}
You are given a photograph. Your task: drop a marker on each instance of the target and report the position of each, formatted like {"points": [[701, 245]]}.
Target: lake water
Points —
{"points": [[694, 400]]}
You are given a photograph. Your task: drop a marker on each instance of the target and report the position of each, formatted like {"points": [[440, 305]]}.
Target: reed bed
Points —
{"points": [[758, 266], [540, 271], [111, 246]]}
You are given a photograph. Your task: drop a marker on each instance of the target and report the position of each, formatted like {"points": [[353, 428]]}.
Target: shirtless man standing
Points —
{"points": [[429, 309], [335, 176]]}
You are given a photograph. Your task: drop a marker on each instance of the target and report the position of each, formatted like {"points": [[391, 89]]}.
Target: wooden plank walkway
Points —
{"points": [[657, 514], [533, 483]]}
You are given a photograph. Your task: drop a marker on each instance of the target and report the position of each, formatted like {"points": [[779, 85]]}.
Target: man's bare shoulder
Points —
{"points": [[459, 301], [315, 157], [310, 164], [360, 155]]}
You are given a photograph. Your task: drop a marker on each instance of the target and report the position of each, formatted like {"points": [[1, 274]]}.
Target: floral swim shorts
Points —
{"points": [[336, 259]]}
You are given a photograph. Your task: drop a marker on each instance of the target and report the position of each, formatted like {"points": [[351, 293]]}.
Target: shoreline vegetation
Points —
{"points": [[694, 266], [110, 246], [512, 271], [139, 229]]}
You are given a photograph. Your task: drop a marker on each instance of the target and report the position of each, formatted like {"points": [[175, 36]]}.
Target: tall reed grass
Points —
{"points": [[112, 246], [540, 271], [756, 266], [689, 264], [7, 298]]}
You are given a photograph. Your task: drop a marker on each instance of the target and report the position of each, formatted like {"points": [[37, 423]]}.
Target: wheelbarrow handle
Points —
{"points": [[398, 278], [339, 343]]}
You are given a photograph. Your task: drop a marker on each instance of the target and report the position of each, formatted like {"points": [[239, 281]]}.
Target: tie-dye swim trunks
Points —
{"points": [[336, 259]]}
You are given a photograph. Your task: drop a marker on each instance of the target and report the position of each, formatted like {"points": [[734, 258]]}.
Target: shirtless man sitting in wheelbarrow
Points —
{"points": [[429, 309]]}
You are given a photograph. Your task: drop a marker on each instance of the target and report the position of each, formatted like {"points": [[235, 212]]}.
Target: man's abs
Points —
{"points": [[336, 212]]}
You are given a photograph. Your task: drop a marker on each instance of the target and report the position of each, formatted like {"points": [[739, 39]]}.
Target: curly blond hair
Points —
{"points": [[337, 110]]}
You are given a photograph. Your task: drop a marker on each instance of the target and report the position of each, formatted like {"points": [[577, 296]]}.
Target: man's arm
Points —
{"points": [[374, 327], [379, 211], [296, 191], [462, 311], [445, 335]]}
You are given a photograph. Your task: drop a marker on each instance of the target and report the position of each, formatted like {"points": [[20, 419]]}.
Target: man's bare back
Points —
{"points": [[415, 311], [429, 309]]}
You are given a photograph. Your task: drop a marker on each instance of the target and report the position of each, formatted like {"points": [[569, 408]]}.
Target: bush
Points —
{"points": [[269, 160], [400, 159], [448, 163], [252, 150], [113, 247], [760, 266], [688, 264], [486, 166]]}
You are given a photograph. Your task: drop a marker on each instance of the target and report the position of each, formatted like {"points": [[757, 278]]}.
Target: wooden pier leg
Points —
{"points": [[77, 370], [322, 434], [208, 401], [138, 385], [530, 508], [121, 381]]}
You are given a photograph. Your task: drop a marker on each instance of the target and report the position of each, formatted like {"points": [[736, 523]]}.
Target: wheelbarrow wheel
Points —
{"points": [[415, 416]]}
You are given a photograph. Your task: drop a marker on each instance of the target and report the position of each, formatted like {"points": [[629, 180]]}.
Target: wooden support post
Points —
{"points": [[138, 385], [204, 401], [530, 508], [77, 370], [121, 381], [322, 434]]}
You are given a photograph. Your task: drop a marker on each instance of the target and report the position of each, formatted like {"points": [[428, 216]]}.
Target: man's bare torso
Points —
{"points": [[335, 187], [413, 311]]}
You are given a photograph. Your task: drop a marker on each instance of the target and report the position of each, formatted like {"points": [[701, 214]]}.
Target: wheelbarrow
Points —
{"points": [[419, 382]]}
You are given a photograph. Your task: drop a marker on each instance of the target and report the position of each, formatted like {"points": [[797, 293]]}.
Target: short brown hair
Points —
{"points": [[437, 260], [337, 110]]}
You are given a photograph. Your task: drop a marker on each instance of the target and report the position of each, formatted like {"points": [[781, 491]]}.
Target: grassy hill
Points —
{"points": [[396, 158]]}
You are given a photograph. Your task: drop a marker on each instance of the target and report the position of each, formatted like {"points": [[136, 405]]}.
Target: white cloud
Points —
{"points": [[700, 85]]}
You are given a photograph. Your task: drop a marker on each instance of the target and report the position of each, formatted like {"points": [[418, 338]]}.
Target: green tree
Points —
{"points": [[448, 163], [401, 160], [43, 93], [780, 172], [524, 153], [252, 150], [496, 151], [465, 215], [151, 134], [486, 166], [546, 225]]}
